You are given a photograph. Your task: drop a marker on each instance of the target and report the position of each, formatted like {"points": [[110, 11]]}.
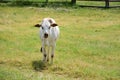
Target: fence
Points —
{"points": [[107, 2], [36, 2]]}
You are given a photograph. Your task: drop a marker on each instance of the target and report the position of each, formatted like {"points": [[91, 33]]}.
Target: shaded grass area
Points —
{"points": [[87, 49]]}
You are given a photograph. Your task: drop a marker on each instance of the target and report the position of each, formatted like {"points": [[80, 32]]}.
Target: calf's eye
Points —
{"points": [[42, 28], [49, 28]]}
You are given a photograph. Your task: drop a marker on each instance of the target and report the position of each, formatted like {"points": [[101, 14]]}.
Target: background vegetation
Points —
{"points": [[59, 3], [88, 47]]}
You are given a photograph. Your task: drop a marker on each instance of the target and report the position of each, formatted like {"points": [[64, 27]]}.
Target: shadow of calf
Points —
{"points": [[39, 65]]}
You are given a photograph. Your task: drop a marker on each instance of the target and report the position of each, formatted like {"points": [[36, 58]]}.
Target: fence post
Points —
{"points": [[73, 1], [107, 3]]}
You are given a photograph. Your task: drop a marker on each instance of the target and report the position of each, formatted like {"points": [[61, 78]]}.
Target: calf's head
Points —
{"points": [[45, 28]]}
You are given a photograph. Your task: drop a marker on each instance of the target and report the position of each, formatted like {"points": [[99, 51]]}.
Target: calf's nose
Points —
{"points": [[45, 35]]}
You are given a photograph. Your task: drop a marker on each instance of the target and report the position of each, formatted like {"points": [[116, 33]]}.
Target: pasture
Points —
{"points": [[88, 47]]}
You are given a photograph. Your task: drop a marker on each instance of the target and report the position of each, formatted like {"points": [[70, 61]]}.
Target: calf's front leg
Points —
{"points": [[52, 53], [48, 53], [44, 50], [44, 53]]}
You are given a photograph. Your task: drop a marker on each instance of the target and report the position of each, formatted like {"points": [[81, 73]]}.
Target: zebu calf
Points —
{"points": [[49, 32]]}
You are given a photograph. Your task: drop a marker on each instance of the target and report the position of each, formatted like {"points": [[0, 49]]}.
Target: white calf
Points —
{"points": [[49, 32]]}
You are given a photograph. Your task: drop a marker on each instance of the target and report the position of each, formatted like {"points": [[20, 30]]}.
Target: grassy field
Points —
{"points": [[88, 47]]}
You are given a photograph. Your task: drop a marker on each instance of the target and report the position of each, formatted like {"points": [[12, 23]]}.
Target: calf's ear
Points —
{"points": [[54, 25], [37, 25]]}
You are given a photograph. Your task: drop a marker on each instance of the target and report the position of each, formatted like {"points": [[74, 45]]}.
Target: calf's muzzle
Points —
{"points": [[45, 35]]}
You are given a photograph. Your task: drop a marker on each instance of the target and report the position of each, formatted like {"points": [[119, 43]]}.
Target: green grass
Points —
{"points": [[88, 47]]}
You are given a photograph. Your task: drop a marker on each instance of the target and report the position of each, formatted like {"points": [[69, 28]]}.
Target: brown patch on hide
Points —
{"points": [[50, 21]]}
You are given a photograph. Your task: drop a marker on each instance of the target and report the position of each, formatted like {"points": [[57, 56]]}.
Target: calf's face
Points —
{"points": [[45, 30]]}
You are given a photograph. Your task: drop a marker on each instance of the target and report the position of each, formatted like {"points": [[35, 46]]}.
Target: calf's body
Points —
{"points": [[49, 32]]}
